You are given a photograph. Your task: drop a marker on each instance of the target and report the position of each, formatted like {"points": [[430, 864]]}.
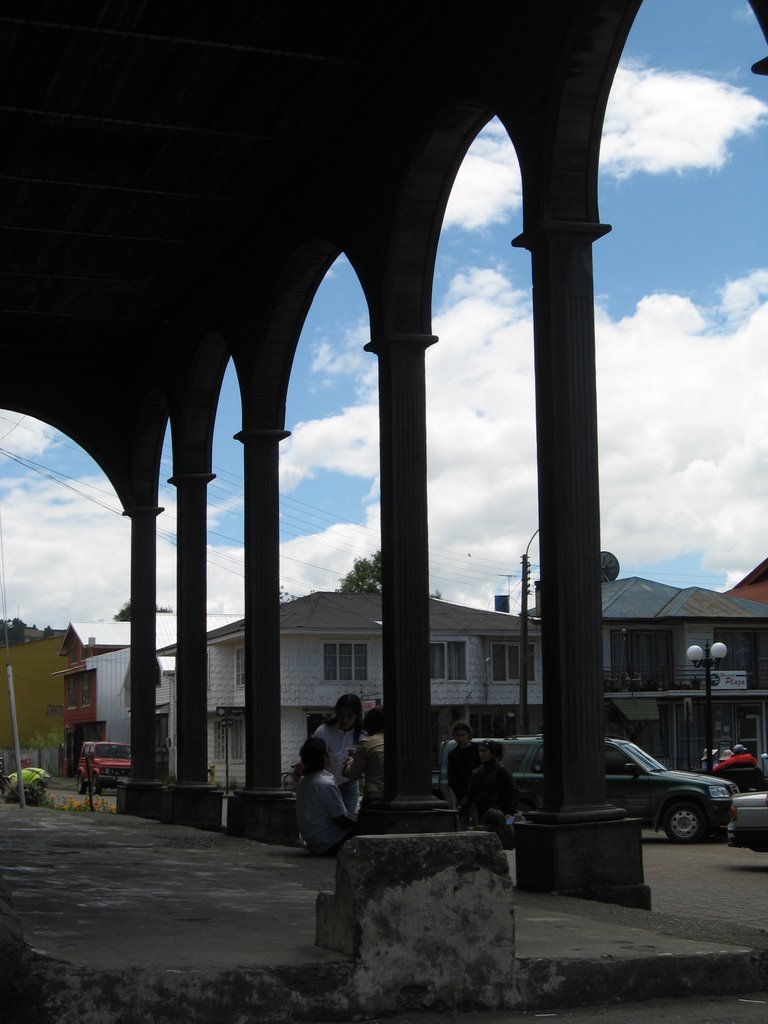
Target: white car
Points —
{"points": [[748, 826]]}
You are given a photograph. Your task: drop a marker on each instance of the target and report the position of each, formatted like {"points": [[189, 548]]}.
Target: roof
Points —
{"points": [[754, 586], [634, 709], [636, 598], [118, 634], [333, 612]]}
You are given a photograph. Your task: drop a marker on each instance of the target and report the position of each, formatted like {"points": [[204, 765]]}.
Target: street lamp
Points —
{"points": [[708, 657], [523, 698]]}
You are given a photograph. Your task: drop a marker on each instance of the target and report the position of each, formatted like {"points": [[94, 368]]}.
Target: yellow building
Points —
{"points": [[38, 694]]}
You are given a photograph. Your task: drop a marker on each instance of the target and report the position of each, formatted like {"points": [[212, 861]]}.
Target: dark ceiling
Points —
{"points": [[162, 159]]}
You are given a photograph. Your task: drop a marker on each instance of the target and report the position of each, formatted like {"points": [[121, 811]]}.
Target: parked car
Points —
{"points": [[688, 806], [748, 826], [106, 761]]}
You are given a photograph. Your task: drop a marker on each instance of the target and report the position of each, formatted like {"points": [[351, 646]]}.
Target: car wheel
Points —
{"points": [[685, 823], [82, 785]]}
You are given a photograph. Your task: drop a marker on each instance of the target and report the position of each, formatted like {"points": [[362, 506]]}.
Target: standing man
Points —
{"points": [[462, 761]]}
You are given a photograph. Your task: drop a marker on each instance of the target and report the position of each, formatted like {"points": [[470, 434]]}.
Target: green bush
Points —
{"points": [[34, 796]]}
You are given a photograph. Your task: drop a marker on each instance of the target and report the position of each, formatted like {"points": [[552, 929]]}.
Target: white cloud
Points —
{"points": [[656, 122], [662, 121], [683, 438], [487, 187], [24, 435]]}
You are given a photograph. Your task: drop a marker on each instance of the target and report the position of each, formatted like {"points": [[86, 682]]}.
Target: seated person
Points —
{"points": [[495, 820], [740, 758], [320, 812]]}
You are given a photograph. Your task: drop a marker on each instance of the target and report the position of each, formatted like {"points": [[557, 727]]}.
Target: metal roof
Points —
{"points": [[333, 612], [636, 598], [635, 709]]}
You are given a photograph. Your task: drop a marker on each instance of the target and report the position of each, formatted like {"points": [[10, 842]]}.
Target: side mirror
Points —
{"points": [[630, 768]]}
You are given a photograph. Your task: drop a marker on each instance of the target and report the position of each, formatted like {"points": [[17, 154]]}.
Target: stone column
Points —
{"points": [[263, 810], [405, 574], [141, 796], [189, 801], [571, 607]]}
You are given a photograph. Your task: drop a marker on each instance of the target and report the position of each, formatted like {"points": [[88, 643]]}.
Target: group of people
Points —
{"points": [[485, 791], [739, 757], [342, 751], [349, 747]]}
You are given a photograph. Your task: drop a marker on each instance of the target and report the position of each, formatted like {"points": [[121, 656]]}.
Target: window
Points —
{"points": [[747, 652], [448, 660], [239, 668], [505, 661], [345, 662], [228, 734], [640, 658], [71, 693], [86, 692]]}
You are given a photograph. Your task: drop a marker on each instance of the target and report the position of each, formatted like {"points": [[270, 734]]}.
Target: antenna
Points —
{"points": [[609, 566]]}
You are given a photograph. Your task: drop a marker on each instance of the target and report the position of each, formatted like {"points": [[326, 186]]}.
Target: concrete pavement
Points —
{"points": [[127, 920]]}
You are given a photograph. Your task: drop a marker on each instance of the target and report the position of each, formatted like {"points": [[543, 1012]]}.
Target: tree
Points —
{"points": [[364, 577], [124, 615]]}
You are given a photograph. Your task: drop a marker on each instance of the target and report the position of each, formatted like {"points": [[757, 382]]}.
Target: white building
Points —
{"points": [[331, 644]]}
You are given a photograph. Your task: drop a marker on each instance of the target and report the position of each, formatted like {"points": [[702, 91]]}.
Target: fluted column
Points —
{"points": [[569, 519], [192, 621], [262, 606], [405, 568], [144, 668]]}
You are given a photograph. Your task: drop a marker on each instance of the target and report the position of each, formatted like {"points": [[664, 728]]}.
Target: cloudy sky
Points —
{"points": [[682, 323]]}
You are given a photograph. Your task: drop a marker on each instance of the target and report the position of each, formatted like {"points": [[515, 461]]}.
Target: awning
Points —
{"points": [[634, 709]]}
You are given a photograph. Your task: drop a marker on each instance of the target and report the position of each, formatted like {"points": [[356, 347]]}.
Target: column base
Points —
{"points": [[141, 799], [192, 803], [405, 818], [597, 860], [265, 815]]}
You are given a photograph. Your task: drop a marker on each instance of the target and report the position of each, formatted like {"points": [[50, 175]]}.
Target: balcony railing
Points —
{"points": [[666, 678]]}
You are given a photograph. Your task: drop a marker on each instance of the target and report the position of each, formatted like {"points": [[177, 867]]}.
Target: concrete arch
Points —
{"points": [[397, 274], [264, 348], [193, 406], [559, 150]]}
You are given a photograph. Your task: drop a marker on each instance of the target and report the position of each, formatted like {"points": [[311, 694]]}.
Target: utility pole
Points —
{"points": [[523, 701]]}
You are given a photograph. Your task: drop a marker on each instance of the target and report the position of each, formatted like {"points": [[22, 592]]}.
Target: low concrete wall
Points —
{"points": [[428, 919]]}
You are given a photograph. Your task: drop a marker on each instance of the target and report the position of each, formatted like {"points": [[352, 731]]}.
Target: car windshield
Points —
{"points": [[645, 760], [119, 751]]}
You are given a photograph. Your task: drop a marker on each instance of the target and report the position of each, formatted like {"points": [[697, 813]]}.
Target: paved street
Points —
{"points": [[707, 880]]}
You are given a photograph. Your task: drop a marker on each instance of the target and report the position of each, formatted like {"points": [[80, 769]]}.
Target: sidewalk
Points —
{"points": [[128, 919]]}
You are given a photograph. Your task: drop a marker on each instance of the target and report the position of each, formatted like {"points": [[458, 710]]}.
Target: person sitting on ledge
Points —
{"points": [[320, 812], [740, 758]]}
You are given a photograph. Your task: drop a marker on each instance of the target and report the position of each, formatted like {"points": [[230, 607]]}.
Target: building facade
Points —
{"points": [[331, 644], [655, 695]]}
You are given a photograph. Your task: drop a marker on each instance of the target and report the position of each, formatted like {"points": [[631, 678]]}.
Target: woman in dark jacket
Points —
{"points": [[490, 785]]}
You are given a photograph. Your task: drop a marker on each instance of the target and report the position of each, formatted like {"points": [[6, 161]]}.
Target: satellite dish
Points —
{"points": [[609, 566]]}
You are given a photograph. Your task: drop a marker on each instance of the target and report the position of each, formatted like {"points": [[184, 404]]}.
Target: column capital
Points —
{"points": [[574, 231], [191, 478], [143, 510], [261, 434], [391, 339]]}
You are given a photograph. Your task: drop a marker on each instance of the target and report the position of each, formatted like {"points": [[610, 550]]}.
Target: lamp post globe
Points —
{"points": [[707, 657]]}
